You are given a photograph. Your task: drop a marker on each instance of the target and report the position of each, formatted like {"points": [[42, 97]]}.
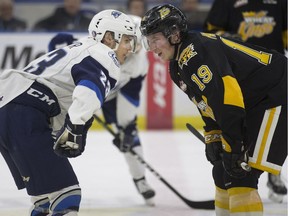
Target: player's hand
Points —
{"points": [[236, 164], [124, 140], [213, 147], [71, 139], [214, 152]]}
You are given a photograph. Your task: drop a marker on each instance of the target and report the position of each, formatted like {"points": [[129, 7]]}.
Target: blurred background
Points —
{"points": [[32, 11]]}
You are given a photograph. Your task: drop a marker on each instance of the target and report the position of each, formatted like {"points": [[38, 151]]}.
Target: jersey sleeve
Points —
{"points": [[128, 101], [93, 83]]}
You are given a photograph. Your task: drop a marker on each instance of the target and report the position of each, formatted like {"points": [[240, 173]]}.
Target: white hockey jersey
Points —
{"points": [[133, 73], [134, 66], [80, 75]]}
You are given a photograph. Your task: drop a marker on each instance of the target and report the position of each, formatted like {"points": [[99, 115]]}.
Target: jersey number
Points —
{"points": [[52, 58], [261, 57], [105, 83], [204, 76]]}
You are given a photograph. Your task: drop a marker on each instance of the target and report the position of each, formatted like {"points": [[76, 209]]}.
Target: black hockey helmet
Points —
{"points": [[163, 18]]}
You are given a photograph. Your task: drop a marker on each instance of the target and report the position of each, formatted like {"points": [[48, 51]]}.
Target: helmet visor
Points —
{"points": [[151, 42], [128, 42]]}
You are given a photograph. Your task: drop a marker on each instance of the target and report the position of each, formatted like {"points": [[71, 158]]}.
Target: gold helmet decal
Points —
{"points": [[164, 12]]}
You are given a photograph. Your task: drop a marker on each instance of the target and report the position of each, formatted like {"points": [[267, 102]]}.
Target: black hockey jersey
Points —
{"points": [[224, 78], [260, 22]]}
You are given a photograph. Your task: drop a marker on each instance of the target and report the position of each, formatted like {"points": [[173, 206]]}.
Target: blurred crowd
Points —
{"points": [[71, 15]]}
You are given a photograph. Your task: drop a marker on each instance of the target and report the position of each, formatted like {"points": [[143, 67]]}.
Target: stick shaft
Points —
{"points": [[209, 204]]}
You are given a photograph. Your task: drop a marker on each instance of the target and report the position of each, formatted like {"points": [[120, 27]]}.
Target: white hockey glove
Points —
{"points": [[213, 147], [71, 139], [124, 140], [236, 162]]}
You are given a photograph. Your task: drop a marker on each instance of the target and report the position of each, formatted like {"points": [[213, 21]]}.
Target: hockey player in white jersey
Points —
{"points": [[47, 108], [121, 107]]}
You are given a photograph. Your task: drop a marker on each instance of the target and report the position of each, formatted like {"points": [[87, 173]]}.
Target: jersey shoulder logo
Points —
{"points": [[206, 110], [186, 55], [113, 56]]}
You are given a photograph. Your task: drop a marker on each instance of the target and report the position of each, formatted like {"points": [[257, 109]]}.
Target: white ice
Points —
{"points": [[108, 189]]}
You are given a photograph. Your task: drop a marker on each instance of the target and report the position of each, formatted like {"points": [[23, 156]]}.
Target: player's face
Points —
{"points": [[160, 45], [126, 46]]}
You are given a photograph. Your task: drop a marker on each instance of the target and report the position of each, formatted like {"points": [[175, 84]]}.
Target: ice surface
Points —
{"points": [[108, 189]]}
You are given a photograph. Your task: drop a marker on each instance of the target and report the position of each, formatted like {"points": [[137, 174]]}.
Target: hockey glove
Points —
{"points": [[124, 140], [71, 139], [236, 163], [213, 147], [87, 125]]}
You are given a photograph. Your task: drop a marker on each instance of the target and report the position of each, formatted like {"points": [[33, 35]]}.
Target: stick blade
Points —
{"points": [[209, 204]]}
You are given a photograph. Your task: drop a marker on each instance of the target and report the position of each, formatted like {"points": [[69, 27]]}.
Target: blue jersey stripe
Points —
{"points": [[90, 69], [93, 87], [132, 100]]}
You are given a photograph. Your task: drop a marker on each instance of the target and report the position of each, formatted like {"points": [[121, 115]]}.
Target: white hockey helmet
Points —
{"points": [[113, 21], [137, 22]]}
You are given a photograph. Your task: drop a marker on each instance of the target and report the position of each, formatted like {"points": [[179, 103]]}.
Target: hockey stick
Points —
{"points": [[209, 204], [196, 133]]}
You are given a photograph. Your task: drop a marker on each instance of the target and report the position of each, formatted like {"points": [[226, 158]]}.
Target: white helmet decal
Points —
{"points": [[116, 14]]}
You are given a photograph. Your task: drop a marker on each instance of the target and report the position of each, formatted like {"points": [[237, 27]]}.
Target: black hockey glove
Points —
{"points": [[71, 139], [87, 125], [236, 163], [213, 147], [124, 140]]}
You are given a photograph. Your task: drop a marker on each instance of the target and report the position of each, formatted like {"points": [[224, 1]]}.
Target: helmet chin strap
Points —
{"points": [[178, 41], [173, 44]]}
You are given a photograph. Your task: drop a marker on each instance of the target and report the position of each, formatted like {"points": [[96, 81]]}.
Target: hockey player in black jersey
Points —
{"points": [[241, 93], [259, 22]]}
